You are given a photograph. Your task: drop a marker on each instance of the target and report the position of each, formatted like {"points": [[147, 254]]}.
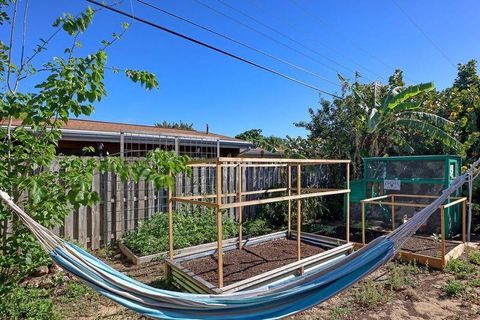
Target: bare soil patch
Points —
{"points": [[250, 261], [427, 247]]}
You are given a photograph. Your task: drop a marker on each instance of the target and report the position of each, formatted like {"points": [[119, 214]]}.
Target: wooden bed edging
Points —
{"points": [[228, 244], [187, 280], [433, 262]]}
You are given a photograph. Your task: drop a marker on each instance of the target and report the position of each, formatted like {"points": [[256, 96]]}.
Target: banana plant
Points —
{"points": [[400, 113]]}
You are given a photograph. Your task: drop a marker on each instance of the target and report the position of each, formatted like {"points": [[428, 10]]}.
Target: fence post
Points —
{"points": [[239, 209], [363, 222], [170, 222], [289, 189], [442, 226]]}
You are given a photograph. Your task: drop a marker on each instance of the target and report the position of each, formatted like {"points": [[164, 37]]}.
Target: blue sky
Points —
{"points": [[201, 86]]}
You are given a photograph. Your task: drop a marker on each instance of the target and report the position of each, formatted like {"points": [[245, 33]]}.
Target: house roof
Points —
{"points": [[80, 129]]}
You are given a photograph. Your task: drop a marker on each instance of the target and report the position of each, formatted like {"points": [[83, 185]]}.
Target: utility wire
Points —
{"points": [[285, 35], [293, 26], [211, 47], [341, 34], [239, 43], [417, 26], [264, 34]]}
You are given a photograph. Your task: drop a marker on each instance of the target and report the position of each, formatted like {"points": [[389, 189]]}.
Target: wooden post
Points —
{"points": [[347, 226], [299, 212], [289, 190], [363, 222], [393, 212], [442, 226], [170, 222], [464, 225], [218, 188], [239, 209]]}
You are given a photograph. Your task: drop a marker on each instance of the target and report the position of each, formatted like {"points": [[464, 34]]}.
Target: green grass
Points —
{"points": [[461, 269], [474, 256], [21, 302]]}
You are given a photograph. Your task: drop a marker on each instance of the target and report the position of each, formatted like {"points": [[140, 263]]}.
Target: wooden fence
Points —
{"points": [[124, 206]]}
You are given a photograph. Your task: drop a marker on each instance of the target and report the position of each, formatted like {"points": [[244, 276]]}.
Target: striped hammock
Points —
{"points": [[271, 302]]}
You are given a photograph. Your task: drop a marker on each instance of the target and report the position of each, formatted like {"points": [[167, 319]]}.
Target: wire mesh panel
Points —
{"points": [[416, 175]]}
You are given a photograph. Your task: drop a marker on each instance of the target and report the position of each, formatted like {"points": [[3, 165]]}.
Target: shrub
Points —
{"points": [[454, 288], [371, 294], [401, 275], [18, 302], [256, 227], [461, 269], [474, 257], [189, 228]]}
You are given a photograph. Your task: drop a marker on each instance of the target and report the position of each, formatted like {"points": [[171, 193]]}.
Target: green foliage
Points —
{"points": [[339, 313], [18, 303], [257, 227], [49, 187], [461, 269], [76, 290], [474, 256], [255, 136], [175, 125], [190, 227], [370, 294], [454, 288], [401, 275]]}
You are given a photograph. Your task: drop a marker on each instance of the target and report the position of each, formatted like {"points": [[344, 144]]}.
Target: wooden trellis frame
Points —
{"points": [[389, 200], [217, 200]]}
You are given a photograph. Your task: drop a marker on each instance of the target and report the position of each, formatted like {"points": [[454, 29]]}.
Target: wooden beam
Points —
{"points": [[393, 212], [202, 203], [363, 222], [218, 189], [442, 225], [399, 204], [239, 209], [292, 161], [299, 215], [347, 226], [464, 224], [289, 188], [448, 205], [170, 222], [284, 198]]}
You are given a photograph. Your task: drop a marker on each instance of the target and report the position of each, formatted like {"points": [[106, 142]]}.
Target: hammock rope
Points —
{"points": [[270, 302]]}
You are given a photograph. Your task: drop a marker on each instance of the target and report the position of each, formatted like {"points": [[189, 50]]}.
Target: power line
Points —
{"points": [[417, 26], [341, 34], [238, 42], [264, 34], [293, 26], [285, 35], [211, 47]]}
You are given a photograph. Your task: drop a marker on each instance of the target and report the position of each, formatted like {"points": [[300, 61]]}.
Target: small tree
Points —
{"points": [[47, 186]]}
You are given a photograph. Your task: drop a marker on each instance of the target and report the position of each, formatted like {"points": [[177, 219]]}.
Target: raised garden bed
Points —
{"points": [[264, 260], [250, 261]]}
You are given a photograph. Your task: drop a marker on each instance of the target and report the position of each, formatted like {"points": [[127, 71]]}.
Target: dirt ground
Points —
{"points": [[418, 296], [251, 261]]}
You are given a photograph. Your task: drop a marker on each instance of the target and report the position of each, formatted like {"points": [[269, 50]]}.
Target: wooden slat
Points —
{"points": [[95, 216]]}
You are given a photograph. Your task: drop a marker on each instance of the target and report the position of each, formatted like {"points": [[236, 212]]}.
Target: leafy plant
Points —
{"points": [[474, 256], [370, 294], [190, 227], [256, 227], [461, 269], [19, 302], [175, 125], [339, 313], [48, 186], [454, 288], [401, 275]]}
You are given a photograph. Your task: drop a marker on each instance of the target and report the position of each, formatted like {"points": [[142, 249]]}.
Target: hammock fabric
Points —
{"points": [[272, 302]]}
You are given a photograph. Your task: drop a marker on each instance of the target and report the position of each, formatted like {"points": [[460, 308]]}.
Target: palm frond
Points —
{"points": [[401, 141], [406, 106]]}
